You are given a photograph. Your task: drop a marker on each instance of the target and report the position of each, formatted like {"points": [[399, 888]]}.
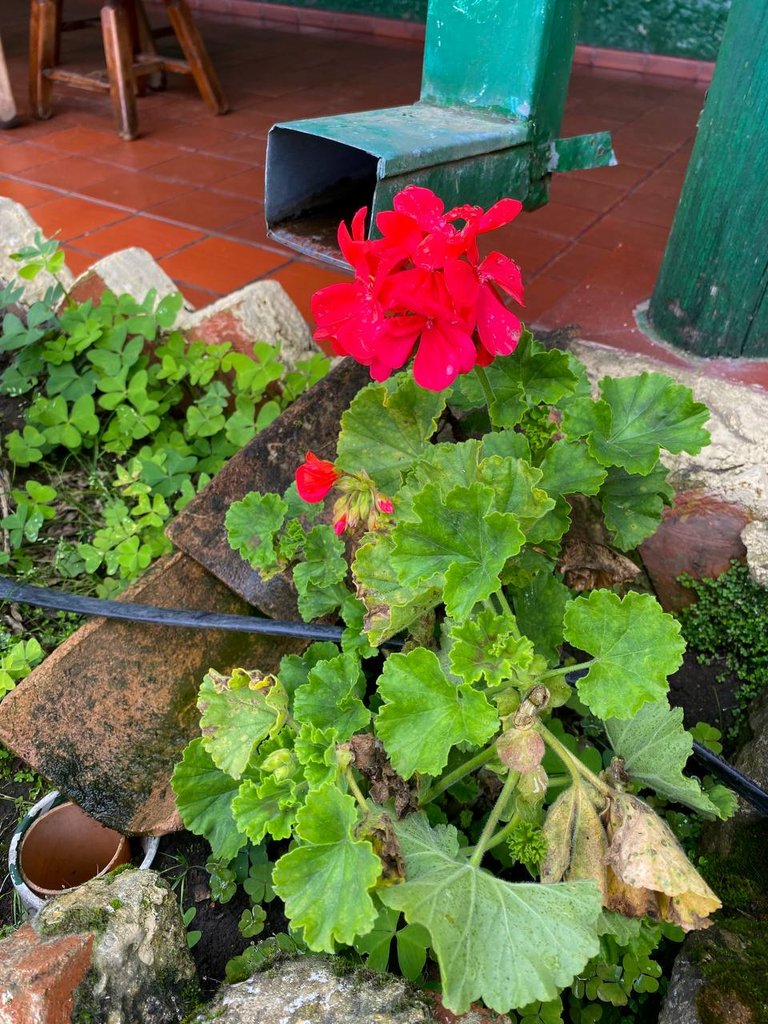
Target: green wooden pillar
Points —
{"points": [[711, 296]]}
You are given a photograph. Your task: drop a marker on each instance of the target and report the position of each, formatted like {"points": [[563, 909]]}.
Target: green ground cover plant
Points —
{"points": [[453, 789]]}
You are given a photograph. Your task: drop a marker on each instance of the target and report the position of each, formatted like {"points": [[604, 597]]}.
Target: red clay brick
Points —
{"points": [[38, 976]]}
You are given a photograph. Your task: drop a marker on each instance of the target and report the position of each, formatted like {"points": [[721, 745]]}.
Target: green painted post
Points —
{"points": [[711, 296]]}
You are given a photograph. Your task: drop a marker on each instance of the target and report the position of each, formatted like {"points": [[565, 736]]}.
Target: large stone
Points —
{"points": [[126, 272], [262, 311], [107, 716], [141, 971], [754, 536], [17, 231], [267, 463], [40, 975], [721, 489], [320, 990]]}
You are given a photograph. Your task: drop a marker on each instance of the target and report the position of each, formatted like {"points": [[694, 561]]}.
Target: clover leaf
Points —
{"points": [[325, 881], [424, 714], [509, 944], [654, 747], [457, 542], [635, 646]]}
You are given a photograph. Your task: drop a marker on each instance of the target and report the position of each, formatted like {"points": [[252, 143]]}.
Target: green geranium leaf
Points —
{"points": [[509, 944], [330, 699], [486, 649], [456, 542], [635, 646], [568, 468], [640, 415], [539, 608], [633, 504], [654, 747], [518, 489], [447, 465], [204, 800], [251, 528], [532, 375], [507, 443], [295, 668], [237, 713], [325, 882], [385, 430], [323, 563], [390, 605], [316, 752], [425, 714], [267, 807]]}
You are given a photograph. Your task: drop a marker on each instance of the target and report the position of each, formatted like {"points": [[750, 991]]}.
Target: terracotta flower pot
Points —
{"points": [[57, 847]]}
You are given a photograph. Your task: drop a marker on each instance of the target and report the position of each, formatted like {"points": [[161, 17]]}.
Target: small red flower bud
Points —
{"points": [[385, 505], [315, 477], [340, 526]]}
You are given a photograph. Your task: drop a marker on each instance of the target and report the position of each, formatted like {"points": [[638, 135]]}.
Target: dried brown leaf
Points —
{"points": [[370, 759], [576, 841], [589, 565]]}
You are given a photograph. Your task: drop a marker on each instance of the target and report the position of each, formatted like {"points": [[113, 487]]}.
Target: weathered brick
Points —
{"points": [[39, 975]]}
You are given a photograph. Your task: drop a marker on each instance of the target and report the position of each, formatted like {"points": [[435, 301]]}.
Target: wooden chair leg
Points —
{"points": [[45, 18], [116, 33], [200, 65], [144, 42], [7, 102]]}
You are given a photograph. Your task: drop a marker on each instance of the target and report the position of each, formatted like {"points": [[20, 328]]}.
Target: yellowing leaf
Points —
{"points": [[576, 840]]}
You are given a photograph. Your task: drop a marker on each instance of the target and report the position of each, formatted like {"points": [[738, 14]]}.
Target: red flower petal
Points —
{"points": [[501, 213], [315, 477], [463, 286], [444, 352], [420, 203], [504, 272], [498, 327]]}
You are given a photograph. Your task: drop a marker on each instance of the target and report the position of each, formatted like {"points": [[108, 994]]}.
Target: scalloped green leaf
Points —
{"points": [[655, 747], [237, 713], [486, 648], [390, 605], [325, 882], [509, 944], [424, 714], [204, 796], [267, 807], [635, 644], [323, 563], [633, 505], [384, 431], [330, 699], [568, 468], [518, 489], [532, 375], [252, 524], [456, 542], [539, 607], [646, 413]]}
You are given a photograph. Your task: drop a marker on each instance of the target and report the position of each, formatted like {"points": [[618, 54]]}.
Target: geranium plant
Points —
{"points": [[461, 772]]}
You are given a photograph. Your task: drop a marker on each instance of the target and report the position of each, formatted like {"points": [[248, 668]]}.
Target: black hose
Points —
{"points": [[45, 597]]}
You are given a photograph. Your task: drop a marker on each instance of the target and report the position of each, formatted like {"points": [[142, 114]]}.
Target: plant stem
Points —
{"points": [[458, 773], [356, 791], [575, 768], [501, 835], [565, 669], [485, 384], [506, 609], [493, 818]]}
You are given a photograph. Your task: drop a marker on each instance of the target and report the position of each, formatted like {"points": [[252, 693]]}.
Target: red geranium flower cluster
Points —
{"points": [[422, 286]]}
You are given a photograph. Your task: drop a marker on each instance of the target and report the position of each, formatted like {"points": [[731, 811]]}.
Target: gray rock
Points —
{"points": [[141, 969], [685, 984], [17, 230], [755, 537], [316, 990]]}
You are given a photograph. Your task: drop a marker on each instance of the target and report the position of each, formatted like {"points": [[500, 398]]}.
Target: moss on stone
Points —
{"points": [[76, 920]]}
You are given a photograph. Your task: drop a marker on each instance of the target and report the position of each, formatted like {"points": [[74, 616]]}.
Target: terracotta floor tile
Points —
{"points": [[70, 218], [156, 236], [541, 295], [85, 141], [198, 169], [584, 194], [137, 192], [558, 218], [199, 298], [210, 211], [68, 174], [662, 183], [147, 153], [531, 249], [220, 265], [576, 263], [21, 156], [249, 148], [301, 281], [30, 195], [201, 137], [623, 175], [248, 183], [610, 231], [647, 209], [79, 260]]}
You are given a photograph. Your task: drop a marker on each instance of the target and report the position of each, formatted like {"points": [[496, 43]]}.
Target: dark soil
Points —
{"points": [[706, 693]]}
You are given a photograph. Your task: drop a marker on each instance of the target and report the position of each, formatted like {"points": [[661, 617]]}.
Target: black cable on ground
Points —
{"points": [[46, 597]]}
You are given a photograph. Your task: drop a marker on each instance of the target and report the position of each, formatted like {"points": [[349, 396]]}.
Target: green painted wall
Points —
{"points": [[681, 28]]}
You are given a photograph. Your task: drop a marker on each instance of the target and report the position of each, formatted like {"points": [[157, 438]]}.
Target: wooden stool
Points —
{"points": [[130, 56], [7, 103]]}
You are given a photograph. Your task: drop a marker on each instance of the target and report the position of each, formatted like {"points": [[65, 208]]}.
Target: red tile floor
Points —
{"points": [[190, 190]]}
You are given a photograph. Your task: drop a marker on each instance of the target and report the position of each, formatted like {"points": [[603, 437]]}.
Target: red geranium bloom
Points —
{"points": [[315, 477]]}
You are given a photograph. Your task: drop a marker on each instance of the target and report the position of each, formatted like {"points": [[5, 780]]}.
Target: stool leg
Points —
{"points": [[116, 33], [45, 19], [200, 65]]}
